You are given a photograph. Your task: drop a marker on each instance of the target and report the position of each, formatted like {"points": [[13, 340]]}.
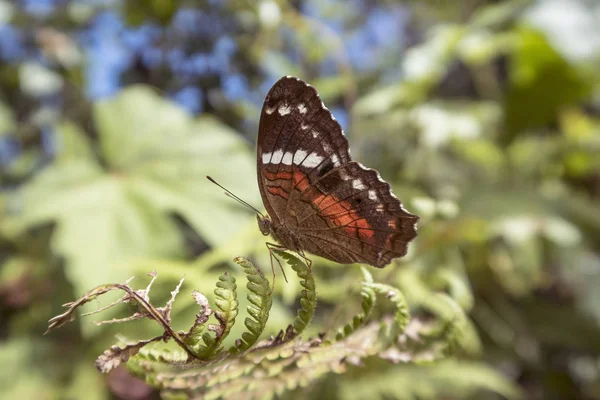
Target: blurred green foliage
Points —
{"points": [[487, 124]]}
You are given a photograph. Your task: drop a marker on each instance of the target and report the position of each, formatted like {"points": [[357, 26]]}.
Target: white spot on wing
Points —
{"points": [[379, 208], [284, 109], [276, 159], [302, 108], [379, 178], [335, 160], [358, 184], [303, 126], [372, 195], [287, 158], [299, 156], [269, 110], [266, 157], [327, 147], [312, 160], [315, 134]]}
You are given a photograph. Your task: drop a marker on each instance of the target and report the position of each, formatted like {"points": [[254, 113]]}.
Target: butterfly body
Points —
{"points": [[280, 233], [318, 200]]}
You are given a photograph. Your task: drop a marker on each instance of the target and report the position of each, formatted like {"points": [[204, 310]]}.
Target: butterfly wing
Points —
{"points": [[336, 208], [296, 133], [351, 214]]}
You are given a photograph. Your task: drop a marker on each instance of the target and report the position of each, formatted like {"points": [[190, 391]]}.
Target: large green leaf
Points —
{"points": [[155, 161]]}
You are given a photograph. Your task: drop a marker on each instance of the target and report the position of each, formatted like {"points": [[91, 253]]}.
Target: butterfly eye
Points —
{"points": [[264, 224]]}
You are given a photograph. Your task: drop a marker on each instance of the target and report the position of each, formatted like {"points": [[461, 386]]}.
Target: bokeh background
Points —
{"points": [[483, 114]]}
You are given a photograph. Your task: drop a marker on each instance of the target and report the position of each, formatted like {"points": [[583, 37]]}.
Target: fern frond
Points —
{"points": [[226, 310], [456, 285], [453, 324], [145, 364], [308, 295], [166, 356], [443, 379], [402, 314], [260, 300], [192, 337], [162, 315], [457, 328], [369, 300], [278, 365], [270, 370], [114, 356]]}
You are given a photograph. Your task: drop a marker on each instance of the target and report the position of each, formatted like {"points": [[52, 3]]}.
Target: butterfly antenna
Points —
{"points": [[233, 196]]}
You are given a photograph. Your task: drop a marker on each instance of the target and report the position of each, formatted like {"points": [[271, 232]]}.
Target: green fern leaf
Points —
{"points": [[308, 299], [454, 379], [260, 300], [226, 311], [454, 325], [192, 337], [402, 315], [368, 303], [459, 331]]}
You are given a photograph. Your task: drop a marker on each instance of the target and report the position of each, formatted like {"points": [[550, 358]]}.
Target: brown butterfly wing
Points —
{"points": [[365, 222], [295, 129], [336, 208]]}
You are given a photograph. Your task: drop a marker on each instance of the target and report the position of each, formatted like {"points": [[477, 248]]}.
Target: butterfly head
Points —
{"points": [[264, 224]]}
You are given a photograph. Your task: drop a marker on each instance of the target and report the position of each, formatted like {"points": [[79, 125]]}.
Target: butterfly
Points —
{"points": [[319, 200]]}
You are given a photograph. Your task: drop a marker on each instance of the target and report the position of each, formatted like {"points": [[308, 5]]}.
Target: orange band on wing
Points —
{"points": [[277, 175], [300, 180], [329, 205], [277, 191], [349, 219]]}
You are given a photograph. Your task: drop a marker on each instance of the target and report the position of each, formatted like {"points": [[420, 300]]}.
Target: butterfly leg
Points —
{"points": [[307, 260], [271, 247]]}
